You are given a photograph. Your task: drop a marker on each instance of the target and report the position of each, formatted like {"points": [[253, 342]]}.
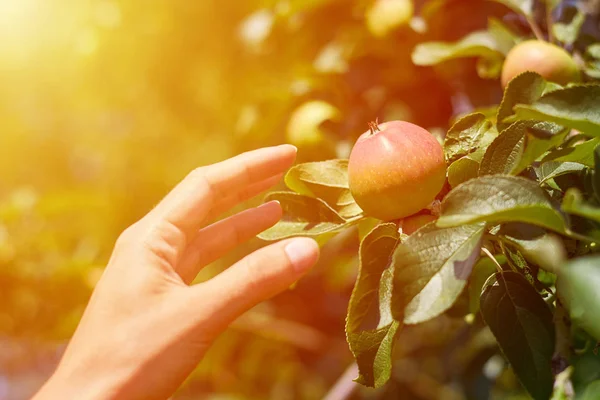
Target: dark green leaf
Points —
{"points": [[573, 203], [302, 216], [525, 88], [577, 287], [504, 153], [327, 180], [468, 134], [577, 107], [372, 347], [582, 153], [552, 169], [476, 44], [499, 198], [537, 144], [524, 7], [568, 32], [431, 269], [522, 323], [375, 255]]}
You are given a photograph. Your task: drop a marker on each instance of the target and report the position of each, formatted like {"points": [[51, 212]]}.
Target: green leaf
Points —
{"points": [[327, 180], [577, 287], [431, 269], [476, 44], [467, 135], [365, 226], [596, 173], [519, 145], [573, 203], [582, 153], [372, 348], [537, 246], [524, 88], [499, 198], [522, 323], [591, 391], [504, 36], [489, 68], [540, 138], [592, 69], [551, 169], [302, 216], [577, 107], [464, 169], [593, 50], [569, 32], [505, 152]]}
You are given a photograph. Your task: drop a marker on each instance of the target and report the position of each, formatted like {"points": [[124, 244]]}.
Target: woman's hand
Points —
{"points": [[145, 328]]}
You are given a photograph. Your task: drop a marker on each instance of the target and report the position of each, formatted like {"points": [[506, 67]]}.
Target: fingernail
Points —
{"points": [[291, 145], [302, 253], [270, 203]]}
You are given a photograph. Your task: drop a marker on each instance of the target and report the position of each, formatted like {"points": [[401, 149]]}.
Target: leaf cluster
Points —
{"points": [[525, 199]]}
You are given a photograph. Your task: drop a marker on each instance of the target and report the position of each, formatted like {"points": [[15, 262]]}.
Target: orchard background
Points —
{"points": [[106, 104]]}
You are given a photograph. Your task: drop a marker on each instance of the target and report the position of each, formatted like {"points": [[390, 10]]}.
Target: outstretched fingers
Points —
{"points": [[255, 278], [185, 209], [249, 192], [217, 239]]}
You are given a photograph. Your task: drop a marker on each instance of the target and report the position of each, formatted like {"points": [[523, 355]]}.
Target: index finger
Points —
{"points": [[187, 205]]}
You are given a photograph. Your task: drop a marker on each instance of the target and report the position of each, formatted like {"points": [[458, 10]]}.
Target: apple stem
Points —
{"points": [[374, 126]]}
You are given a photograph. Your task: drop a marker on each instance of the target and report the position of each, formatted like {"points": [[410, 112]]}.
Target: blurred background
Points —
{"points": [[106, 104]]}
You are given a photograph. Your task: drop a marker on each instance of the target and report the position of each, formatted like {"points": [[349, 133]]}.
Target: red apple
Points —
{"points": [[550, 61], [395, 169], [414, 222]]}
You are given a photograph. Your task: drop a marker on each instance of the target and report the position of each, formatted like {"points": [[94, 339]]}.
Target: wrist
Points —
{"points": [[65, 386]]}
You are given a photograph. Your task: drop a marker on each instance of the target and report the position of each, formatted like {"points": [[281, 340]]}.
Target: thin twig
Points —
{"points": [[491, 257], [562, 346], [537, 31], [345, 385]]}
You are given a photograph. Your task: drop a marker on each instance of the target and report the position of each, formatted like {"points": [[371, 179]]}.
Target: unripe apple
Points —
{"points": [[395, 169], [414, 222], [550, 61], [305, 130]]}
